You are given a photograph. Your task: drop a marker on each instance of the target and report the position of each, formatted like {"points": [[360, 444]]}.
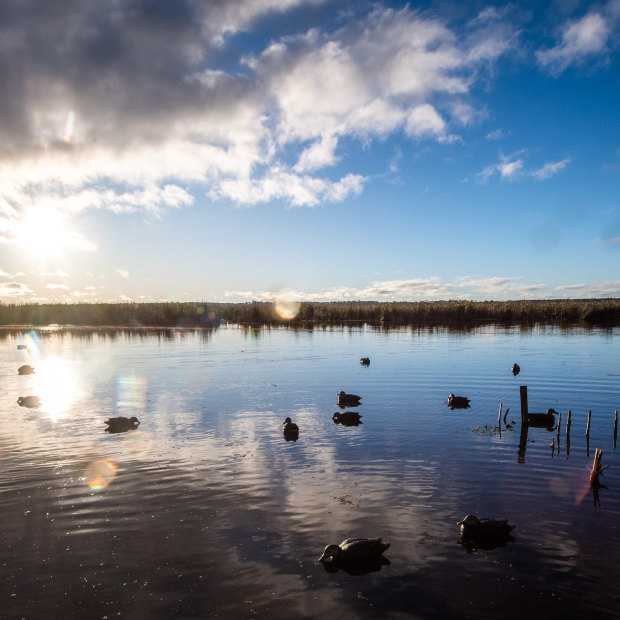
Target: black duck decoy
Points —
{"points": [[542, 420], [348, 400], [26, 369], [458, 402], [121, 424], [29, 401], [516, 369], [347, 418], [354, 551], [290, 429], [485, 533], [365, 361]]}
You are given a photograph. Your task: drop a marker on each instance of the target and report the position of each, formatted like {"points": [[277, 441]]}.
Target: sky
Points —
{"points": [[239, 150]]}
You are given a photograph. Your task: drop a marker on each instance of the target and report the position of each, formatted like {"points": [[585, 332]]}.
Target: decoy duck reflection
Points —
{"points": [[348, 400], [458, 402], [354, 550], [121, 424], [26, 369], [347, 418]]}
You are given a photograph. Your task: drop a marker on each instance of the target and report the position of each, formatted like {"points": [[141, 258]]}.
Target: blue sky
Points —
{"points": [[240, 150]]}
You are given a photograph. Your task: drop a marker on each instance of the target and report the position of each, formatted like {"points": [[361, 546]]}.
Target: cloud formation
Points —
{"points": [[114, 119], [581, 39]]}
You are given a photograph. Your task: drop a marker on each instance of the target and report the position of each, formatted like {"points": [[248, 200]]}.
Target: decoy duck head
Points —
{"points": [[330, 553]]}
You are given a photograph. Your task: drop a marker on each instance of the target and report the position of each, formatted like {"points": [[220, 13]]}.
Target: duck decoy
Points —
{"points": [[516, 369], [348, 400], [290, 429], [354, 550], [29, 401], [26, 369], [542, 420], [347, 418], [365, 361], [485, 533], [458, 402], [22, 346], [121, 424]]}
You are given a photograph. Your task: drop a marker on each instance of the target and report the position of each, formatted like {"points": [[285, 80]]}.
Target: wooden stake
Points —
{"points": [[559, 424], [499, 417], [568, 424], [615, 425], [524, 410], [597, 469], [505, 414], [588, 425]]}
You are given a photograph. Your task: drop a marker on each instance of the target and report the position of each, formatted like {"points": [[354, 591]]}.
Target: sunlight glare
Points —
{"points": [[45, 233], [56, 384]]}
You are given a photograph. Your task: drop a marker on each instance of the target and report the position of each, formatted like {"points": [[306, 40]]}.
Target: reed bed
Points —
{"points": [[605, 312]]}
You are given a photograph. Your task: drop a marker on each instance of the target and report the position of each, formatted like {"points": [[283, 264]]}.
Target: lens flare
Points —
{"points": [[99, 474], [131, 394], [32, 343], [286, 307], [69, 127]]}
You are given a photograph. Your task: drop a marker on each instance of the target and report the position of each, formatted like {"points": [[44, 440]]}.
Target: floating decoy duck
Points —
{"points": [[121, 424], [365, 361], [542, 419], [492, 532], [29, 401], [26, 369], [458, 402], [22, 346], [289, 428], [348, 418], [516, 369], [354, 550], [348, 400]]}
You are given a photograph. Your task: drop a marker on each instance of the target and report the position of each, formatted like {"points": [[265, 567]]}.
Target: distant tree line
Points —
{"points": [[388, 314]]}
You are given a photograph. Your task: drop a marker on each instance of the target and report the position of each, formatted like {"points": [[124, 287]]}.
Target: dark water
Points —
{"points": [[206, 510]]}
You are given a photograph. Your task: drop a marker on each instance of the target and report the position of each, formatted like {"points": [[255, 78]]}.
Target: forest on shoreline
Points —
{"points": [[307, 314]]}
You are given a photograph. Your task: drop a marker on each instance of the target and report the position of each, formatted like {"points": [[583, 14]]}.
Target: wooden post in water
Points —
{"points": [[588, 424], [615, 428], [499, 417], [568, 424], [524, 410]]}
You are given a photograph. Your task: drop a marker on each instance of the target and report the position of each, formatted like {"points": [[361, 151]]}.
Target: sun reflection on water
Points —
{"points": [[56, 385]]}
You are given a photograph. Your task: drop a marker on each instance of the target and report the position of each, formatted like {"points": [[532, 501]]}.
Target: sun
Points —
{"points": [[44, 233]]}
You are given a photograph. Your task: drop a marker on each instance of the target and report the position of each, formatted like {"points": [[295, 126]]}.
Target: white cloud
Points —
{"points": [[496, 134], [581, 39], [318, 155], [509, 167], [424, 120], [592, 290], [550, 169], [512, 167]]}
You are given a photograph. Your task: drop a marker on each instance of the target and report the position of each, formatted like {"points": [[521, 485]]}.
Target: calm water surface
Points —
{"points": [[206, 510]]}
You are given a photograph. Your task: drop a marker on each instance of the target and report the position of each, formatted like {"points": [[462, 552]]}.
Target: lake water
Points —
{"points": [[207, 511]]}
